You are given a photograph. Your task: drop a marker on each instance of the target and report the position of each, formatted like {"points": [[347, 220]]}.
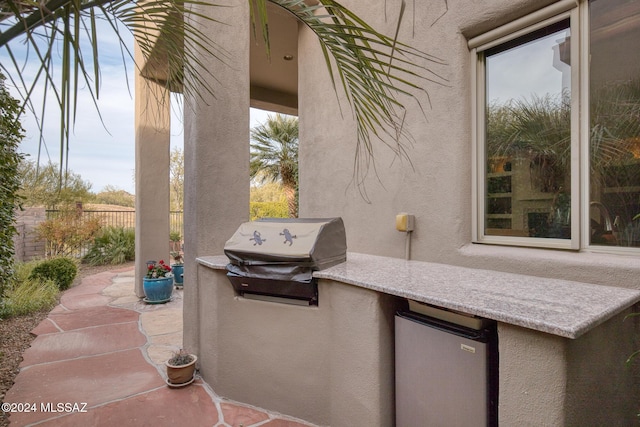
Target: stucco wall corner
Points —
{"points": [[597, 368], [533, 377]]}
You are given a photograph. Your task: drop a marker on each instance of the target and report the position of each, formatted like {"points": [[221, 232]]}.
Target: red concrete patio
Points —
{"points": [[98, 360]]}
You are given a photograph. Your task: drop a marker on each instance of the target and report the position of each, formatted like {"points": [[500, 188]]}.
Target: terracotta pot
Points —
{"points": [[181, 374]]}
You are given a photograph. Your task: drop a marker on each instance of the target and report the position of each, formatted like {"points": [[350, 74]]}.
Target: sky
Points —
{"points": [[527, 70], [104, 154], [101, 152]]}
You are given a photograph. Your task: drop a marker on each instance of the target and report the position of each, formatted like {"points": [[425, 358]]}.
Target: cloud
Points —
{"points": [[102, 152], [526, 70]]}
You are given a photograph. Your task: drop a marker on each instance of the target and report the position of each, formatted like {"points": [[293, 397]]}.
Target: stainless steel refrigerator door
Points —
{"points": [[441, 378]]}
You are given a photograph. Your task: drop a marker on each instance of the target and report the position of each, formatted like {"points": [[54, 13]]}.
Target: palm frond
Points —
{"points": [[71, 27], [373, 70], [274, 149]]}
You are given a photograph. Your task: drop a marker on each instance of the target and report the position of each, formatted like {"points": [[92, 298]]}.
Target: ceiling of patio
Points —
{"points": [[274, 81]]}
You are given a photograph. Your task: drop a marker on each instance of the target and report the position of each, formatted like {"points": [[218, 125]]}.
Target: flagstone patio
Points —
{"points": [[98, 359]]}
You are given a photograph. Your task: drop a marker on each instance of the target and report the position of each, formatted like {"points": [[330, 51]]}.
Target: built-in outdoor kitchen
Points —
{"points": [[521, 171], [331, 359]]}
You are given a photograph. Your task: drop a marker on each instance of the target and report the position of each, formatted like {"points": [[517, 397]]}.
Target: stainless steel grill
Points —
{"points": [[274, 258]]}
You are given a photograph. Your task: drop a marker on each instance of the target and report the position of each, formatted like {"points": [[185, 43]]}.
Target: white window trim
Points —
{"points": [[544, 17], [521, 26], [585, 180], [580, 131]]}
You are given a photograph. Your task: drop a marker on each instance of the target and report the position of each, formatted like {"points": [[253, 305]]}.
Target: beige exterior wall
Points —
{"points": [[153, 137], [330, 365], [544, 380], [437, 186], [553, 381], [216, 163], [263, 354]]}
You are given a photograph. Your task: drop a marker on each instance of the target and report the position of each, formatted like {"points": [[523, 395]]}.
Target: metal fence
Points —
{"points": [[122, 219], [176, 223]]}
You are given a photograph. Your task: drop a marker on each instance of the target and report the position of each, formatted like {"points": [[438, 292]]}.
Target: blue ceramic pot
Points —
{"points": [[178, 271], [158, 290]]}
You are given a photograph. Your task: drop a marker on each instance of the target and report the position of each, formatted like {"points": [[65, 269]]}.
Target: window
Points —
{"points": [[557, 128]]}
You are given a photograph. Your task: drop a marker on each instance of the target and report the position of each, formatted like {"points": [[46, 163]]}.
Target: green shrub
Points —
{"points": [[114, 245], [67, 232], [175, 236], [11, 133], [268, 210], [23, 270], [29, 296], [61, 270], [111, 195]]}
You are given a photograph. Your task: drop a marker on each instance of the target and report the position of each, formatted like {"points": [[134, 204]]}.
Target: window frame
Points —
{"points": [[578, 14], [541, 19]]}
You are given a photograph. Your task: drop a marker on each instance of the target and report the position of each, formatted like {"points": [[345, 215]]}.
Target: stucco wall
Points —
{"points": [[598, 372], [153, 136], [216, 158], [532, 380], [553, 381], [437, 185], [331, 364], [542, 381]]}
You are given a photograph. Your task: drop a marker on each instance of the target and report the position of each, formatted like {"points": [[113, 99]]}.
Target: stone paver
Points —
{"points": [[85, 342], [190, 406], [91, 380], [95, 316], [98, 360], [236, 415], [162, 322], [47, 326]]}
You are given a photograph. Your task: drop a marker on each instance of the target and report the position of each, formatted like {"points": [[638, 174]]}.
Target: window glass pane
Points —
{"points": [[615, 122], [528, 135]]}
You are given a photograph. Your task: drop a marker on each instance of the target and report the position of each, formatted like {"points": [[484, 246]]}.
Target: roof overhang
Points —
{"points": [[273, 79]]}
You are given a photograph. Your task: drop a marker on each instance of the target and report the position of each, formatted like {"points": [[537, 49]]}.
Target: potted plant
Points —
{"points": [[177, 267], [158, 282], [175, 240], [181, 368]]}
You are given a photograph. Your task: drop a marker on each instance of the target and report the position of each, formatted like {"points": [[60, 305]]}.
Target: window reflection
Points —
{"points": [[615, 122], [528, 136]]}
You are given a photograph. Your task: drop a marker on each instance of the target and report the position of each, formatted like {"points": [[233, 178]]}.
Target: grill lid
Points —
{"points": [[312, 242], [277, 257]]}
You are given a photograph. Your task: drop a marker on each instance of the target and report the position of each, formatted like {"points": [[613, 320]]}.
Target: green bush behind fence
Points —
{"points": [[126, 219]]}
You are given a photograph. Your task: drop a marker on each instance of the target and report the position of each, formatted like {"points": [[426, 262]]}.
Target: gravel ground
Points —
{"points": [[15, 336]]}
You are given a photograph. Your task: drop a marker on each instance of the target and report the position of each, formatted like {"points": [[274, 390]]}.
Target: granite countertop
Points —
{"points": [[559, 307]]}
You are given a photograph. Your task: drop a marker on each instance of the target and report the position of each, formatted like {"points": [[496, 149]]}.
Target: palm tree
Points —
{"points": [[372, 68], [274, 155]]}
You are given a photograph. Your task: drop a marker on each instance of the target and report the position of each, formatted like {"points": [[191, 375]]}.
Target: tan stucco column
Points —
{"points": [[216, 161], [152, 124]]}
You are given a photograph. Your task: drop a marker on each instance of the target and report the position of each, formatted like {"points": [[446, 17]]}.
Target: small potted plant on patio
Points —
{"points": [[181, 369], [157, 283], [175, 238], [177, 267]]}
